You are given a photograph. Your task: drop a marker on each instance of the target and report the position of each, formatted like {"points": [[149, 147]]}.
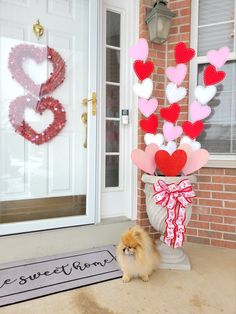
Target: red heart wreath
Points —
{"points": [[150, 124], [193, 130], [171, 113], [183, 54], [143, 69], [16, 116], [23, 51], [212, 76]]}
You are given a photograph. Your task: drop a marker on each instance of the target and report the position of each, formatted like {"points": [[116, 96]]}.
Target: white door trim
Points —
{"points": [[132, 36]]}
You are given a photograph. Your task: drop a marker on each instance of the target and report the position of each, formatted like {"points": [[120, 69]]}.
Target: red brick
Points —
{"points": [[224, 196], [229, 236], [211, 187], [185, 29], [222, 179], [210, 218], [231, 172], [230, 188], [230, 204], [179, 4], [186, 11], [212, 171], [226, 244], [198, 240], [223, 212], [211, 202], [210, 234], [220, 227], [199, 224], [230, 220], [203, 194], [201, 210], [191, 231], [203, 178]]}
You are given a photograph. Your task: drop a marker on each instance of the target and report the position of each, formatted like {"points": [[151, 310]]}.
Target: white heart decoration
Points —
{"points": [[144, 89], [157, 139], [170, 147], [205, 94], [174, 93], [194, 144]]}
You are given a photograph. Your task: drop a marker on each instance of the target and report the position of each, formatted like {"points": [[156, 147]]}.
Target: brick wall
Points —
{"points": [[214, 211]]}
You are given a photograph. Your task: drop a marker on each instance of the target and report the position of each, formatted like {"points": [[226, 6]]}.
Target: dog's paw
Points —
{"points": [[145, 278], [125, 278]]}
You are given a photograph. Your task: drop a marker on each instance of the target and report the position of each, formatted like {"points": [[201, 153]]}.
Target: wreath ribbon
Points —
{"points": [[175, 198]]}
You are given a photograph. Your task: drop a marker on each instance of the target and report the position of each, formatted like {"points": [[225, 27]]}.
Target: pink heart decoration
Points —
{"points": [[177, 74], [147, 107], [195, 161], [218, 57], [140, 50], [171, 132], [199, 112], [145, 160], [187, 148]]}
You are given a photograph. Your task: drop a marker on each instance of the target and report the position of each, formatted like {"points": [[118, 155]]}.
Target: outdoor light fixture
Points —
{"points": [[159, 22]]}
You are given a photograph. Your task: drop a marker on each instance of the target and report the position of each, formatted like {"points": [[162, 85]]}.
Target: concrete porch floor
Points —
{"points": [[209, 288]]}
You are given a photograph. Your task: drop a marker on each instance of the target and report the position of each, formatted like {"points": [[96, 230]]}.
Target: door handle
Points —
{"points": [[84, 119], [93, 100]]}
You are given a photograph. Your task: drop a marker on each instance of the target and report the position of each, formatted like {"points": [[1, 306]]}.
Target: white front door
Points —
{"points": [[118, 138], [47, 151]]}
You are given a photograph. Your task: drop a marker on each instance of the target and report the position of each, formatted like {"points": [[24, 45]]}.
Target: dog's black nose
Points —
{"points": [[124, 250]]}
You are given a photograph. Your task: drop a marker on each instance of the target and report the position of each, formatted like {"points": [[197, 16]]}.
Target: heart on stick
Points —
{"points": [[143, 69], [218, 57], [170, 165], [212, 76], [205, 94], [157, 139], [170, 147], [145, 160], [171, 113], [187, 140], [171, 132], [147, 107], [196, 161], [177, 74], [144, 89], [183, 54], [174, 93], [193, 130], [150, 124], [140, 50], [198, 112]]}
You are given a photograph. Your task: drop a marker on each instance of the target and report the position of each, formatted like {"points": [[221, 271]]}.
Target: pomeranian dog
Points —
{"points": [[137, 254]]}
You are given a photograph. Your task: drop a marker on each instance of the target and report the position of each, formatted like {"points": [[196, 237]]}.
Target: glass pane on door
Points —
{"points": [[43, 78]]}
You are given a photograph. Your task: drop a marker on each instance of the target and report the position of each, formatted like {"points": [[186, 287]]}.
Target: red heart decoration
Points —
{"points": [[183, 54], [23, 51], [170, 165], [193, 129], [143, 69], [16, 116], [212, 76], [171, 113], [150, 124]]}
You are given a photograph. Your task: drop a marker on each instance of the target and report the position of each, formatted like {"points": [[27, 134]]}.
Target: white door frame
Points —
{"points": [[132, 37], [90, 217]]}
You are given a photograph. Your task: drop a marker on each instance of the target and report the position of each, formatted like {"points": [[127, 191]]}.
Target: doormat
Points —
{"points": [[30, 279]]}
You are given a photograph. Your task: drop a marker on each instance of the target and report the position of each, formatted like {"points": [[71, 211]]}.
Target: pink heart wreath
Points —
{"points": [[23, 51], [16, 116]]}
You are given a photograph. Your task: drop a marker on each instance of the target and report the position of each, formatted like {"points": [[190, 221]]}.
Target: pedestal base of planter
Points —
{"points": [[173, 258]]}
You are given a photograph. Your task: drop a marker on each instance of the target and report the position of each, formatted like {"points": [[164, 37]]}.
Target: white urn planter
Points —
{"points": [[170, 258]]}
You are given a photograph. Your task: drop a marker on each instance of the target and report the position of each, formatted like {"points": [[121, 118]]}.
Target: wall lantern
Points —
{"points": [[158, 20]]}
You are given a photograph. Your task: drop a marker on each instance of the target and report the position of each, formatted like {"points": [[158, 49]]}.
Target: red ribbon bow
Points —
{"points": [[175, 197]]}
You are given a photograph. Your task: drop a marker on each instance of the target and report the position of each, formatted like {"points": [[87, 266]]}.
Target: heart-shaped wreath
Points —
{"points": [[17, 111], [22, 52]]}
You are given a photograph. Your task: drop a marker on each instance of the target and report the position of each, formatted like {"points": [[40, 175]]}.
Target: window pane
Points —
{"points": [[112, 136], [215, 11], [214, 37], [112, 171], [113, 65], [113, 29], [112, 101], [219, 136]]}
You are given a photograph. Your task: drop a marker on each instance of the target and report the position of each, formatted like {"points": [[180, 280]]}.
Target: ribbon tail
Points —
{"points": [[180, 227]]}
